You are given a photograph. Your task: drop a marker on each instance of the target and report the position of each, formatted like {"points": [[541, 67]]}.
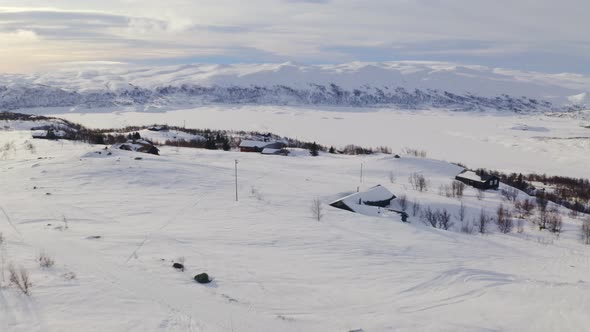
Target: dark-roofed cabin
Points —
{"points": [[483, 182]]}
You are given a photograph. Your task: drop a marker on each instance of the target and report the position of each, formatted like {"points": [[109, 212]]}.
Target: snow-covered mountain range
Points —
{"points": [[402, 85]]}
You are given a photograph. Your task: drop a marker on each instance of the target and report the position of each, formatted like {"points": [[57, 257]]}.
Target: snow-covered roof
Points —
{"points": [[254, 144], [374, 194], [471, 175]]}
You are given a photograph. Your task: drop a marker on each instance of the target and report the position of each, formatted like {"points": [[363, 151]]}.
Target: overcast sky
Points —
{"points": [[539, 35]]}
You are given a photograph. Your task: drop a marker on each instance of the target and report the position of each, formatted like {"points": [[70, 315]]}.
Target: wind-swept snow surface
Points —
{"points": [[118, 224]]}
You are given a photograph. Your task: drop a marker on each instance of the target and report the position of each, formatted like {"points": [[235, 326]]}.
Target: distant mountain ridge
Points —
{"points": [[403, 85]]}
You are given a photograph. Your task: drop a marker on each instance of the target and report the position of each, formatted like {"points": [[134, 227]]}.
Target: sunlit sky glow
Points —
{"points": [[539, 35]]}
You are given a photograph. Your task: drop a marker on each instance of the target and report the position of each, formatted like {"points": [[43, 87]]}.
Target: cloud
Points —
{"points": [[18, 37], [302, 30]]}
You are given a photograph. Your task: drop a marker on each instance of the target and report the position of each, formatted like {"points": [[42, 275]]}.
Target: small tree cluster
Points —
{"points": [[383, 149], [352, 149], [554, 221], [455, 189], [314, 149], [504, 219], [467, 227], [418, 182], [524, 208], [437, 219], [542, 207], [482, 222], [415, 152], [510, 194]]}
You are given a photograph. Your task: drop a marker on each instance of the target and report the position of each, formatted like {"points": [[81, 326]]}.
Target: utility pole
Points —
{"points": [[236, 180]]}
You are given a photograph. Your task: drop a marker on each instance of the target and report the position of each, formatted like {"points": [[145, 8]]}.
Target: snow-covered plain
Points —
{"points": [[510, 142], [275, 268]]}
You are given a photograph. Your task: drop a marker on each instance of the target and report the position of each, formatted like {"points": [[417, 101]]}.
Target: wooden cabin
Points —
{"points": [[483, 182]]}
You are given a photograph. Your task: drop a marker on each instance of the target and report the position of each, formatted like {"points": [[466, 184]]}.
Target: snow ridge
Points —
{"points": [[403, 85]]}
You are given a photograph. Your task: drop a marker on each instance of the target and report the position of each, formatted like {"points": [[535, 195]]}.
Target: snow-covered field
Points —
{"points": [[275, 268], [503, 141]]}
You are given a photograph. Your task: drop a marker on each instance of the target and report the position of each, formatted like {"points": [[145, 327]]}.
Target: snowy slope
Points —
{"points": [[407, 85], [524, 143], [275, 267]]}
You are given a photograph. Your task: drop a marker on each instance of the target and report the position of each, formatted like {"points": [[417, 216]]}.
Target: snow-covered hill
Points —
{"points": [[405, 85], [114, 224]]}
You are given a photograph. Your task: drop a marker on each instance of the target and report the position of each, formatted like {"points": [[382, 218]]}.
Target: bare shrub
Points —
{"points": [[482, 222], [20, 279], [7, 148], [467, 227], [510, 194], [542, 204], [66, 223], [462, 212], [543, 217], [504, 219], [429, 217], [383, 149], [45, 261], [585, 230], [29, 146], [437, 219], [317, 210], [554, 222], [524, 208], [415, 208], [444, 219], [528, 206], [403, 202], [69, 276], [445, 190], [458, 188], [418, 182], [256, 194]]}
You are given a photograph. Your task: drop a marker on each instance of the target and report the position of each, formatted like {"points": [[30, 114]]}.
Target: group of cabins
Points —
{"points": [[264, 147], [377, 201]]}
